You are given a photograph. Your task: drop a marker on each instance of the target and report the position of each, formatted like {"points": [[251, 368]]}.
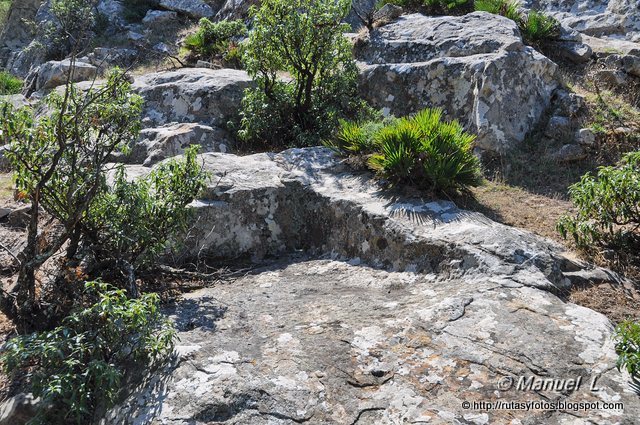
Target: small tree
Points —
{"points": [[304, 70], [61, 163]]}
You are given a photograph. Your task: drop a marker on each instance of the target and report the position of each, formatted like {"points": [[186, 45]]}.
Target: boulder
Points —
{"points": [[18, 410], [559, 128], [157, 18], [475, 67], [570, 153], [575, 52], [56, 73], [631, 65], [193, 8], [415, 311], [586, 137], [236, 9], [193, 95], [171, 140]]}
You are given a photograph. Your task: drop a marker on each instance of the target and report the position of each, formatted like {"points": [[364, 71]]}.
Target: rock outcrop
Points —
{"points": [[475, 67], [192, 8], [415, 309], [171, 140], [595, 17], [199, 95], [52, 74]]}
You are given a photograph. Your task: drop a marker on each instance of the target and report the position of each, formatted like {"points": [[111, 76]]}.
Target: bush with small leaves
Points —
{"points": [[216, 41], [78, 369], [304, 71], [107, 231], [628, 347], [9, 84], [422, 150], [608, 207], [132, 221], [70, 29]]}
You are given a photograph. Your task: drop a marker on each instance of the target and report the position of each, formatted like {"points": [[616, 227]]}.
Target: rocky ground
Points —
{"points": [[365, 305]]}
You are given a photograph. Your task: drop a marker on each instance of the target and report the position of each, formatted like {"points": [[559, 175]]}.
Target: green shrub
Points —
{"points": [[355, 138], [607, 204], [422, 150], [133, 220], [71, 27], [9, 84], [304, 71], [628, 347], [79, 368], [61, 162], [507, 8], [534, 26], [216, 40], [537, 26]]}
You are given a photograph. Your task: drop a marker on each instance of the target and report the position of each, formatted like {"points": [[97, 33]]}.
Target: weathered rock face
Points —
{"points": [[205, 96], [475, 67], [421, 307], [16, 34], [171, 140], [193, 8], [595, 17], [56, 73]]}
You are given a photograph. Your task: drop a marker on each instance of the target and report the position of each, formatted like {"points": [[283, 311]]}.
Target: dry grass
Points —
{"points": [[6, 189]]}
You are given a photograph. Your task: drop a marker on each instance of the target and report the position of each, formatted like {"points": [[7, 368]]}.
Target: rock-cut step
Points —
{"points": [[400, 310]]}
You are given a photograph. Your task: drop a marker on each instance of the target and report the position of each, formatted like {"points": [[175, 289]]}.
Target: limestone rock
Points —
{"points": [[415, 308], [157, 18], [594, 17], [570, 153], [171, 140], [585, 137], [193, 8], [194, 95], [16, 34], [18, 410], [235, 9], [631, 65], [559, 128], [55, 73], [459, 64]]}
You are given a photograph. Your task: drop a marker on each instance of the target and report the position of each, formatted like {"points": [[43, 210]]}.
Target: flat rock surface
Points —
{"points": [[400, 310], [332, 342]]}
